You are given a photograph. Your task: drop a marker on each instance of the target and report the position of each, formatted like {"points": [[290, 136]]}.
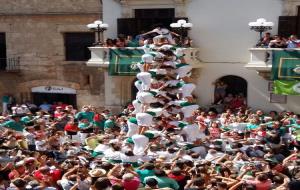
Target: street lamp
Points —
{"points": [[99, 27], [261, 25], [182, 26]]}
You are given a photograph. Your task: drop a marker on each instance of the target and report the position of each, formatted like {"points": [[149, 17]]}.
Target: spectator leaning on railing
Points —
{"points": [[293, 42], [278, 42]]}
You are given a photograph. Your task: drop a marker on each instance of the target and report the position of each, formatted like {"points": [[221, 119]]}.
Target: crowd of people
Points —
{"points": [[91, 150], [162, 140], [277, 41], [228, 100]]}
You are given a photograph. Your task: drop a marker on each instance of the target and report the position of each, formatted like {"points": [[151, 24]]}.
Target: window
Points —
{"points": [[145, 20], [76, 46], [2, 51]]}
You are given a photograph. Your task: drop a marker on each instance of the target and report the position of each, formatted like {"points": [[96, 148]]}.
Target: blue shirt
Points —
{"points": [[293, 44]]}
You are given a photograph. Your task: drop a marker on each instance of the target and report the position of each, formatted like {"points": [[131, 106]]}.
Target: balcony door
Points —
{"points": [[146, 20], [288, 25], [2, 51]]}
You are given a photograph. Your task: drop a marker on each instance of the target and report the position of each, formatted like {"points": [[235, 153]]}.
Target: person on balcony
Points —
{"points": [[265, 40], [109, 42], [130, 42], [120, 42], [278, 42], [293, 42]]}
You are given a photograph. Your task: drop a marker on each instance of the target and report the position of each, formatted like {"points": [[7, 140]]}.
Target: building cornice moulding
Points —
{"points": [[150, 2]]}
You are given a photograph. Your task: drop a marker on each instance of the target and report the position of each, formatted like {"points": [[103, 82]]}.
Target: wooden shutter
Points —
{"points": [[287, 25], [2, 51], [77, 45], [127, 26]]}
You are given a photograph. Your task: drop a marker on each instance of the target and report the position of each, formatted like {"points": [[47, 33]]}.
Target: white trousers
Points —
{"points": [[140, 143], [187, 89], [145, 97], [138, 85], [144, 119], [82, 137], [145, 77], [137, 107], [183, 71], [189, 110], [133, 129]]}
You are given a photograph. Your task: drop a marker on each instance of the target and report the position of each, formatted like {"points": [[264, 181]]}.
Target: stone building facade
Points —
{"points": [[34, 31]]}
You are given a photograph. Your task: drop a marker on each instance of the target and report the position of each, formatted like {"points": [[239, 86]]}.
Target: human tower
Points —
{"points": [[164, 103]]}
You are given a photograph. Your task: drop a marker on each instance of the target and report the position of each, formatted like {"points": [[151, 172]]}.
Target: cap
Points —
{"points": [[97, 172]]}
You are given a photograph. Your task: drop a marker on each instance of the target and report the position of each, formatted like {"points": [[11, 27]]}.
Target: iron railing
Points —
{"points": [[10, 64]]}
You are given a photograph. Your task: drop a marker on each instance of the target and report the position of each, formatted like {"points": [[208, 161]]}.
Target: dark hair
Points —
{"points": [[222, 184], [20, 183], [117, 187], [160, 173], [129, 153], [199, 182], [152, 182], [294, 185], [37, 127], [176, 171], [278, 179], [179, 164], [262, 177], [106, 166], [149, 166], [102, 183], [116, 147]]}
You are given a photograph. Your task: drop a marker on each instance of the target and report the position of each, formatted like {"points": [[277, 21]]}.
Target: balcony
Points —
{"points": [[10, 64], [100, 56], [261, 60]]}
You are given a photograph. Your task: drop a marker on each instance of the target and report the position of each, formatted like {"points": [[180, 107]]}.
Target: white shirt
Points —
{"points": [[40, 145]]}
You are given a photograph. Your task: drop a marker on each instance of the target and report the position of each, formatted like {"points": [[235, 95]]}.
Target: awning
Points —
{"points": [[53, 90], [121, 61]]}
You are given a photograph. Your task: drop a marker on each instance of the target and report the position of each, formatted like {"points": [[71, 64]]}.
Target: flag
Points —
{"points": [[285, 87], [121, 61], [286, 65]]}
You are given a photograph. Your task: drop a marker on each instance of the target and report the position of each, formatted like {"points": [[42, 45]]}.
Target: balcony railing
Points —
{"points": [[261, 58], [10, 64], [100, 57]]}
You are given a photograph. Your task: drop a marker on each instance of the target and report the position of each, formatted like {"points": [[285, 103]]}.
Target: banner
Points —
{"points": [[285, 87], [121, 61], [286, 65]]}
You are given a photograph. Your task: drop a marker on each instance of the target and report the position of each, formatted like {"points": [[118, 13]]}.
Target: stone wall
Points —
{"points": [[49, 6], [35, 33]]}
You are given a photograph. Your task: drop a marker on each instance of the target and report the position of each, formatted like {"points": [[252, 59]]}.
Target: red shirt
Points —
{"points": [[97, 117], [72, 128], [177, 178], [54, 174]]}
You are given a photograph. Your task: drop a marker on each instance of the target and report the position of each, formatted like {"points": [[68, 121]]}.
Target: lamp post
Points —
{"points": [[261, 25], [99, 27], [182, 26]]}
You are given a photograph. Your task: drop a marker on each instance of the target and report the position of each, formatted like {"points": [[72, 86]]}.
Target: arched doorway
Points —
{"points": [[229, 86]]}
